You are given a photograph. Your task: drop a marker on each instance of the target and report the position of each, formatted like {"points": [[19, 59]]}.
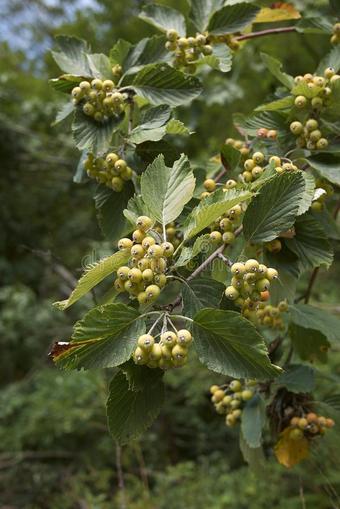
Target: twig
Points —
{"points": [[261, 33], [226, 260], [302, 496], [311, 284], [121, 484], [131, 111], [207, 262]]}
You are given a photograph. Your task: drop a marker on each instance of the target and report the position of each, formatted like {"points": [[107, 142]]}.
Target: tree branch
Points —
{"points": [[311, 284], [269, 31]]}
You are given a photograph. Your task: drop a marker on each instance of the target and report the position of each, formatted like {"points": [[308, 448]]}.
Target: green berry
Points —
{"points": [[228, 237], [262, 285], [88, 109], [138, 236], [169, 338], [272, 274], [97, 84], [168, 249], [119, 285], [238, 269], [235, 385], [125, 244], [155, 352], [144, 223], [249, 164], [123, 273], [140, 356], [142, 298], [135, 275], [231, 293], [251, 265], [258, 157], [146, 341], [322, 143], [152, 291], [171, 35], [184, 337], [296, 128], [147, 275], [155, 251], [300, 101], [210, 185], [117, 184], [247, 395], [137, 251], [216, 237], [179, 352]]}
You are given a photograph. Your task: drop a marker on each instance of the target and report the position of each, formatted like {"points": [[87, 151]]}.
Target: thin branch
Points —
{"points": [[270, 31], [207, 262], [131, 111], [121, 484], [311, 284], [226, 260]]}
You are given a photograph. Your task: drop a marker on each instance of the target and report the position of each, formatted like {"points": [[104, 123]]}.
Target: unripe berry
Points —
{"points": [[166, 352], [230, 184], [213, 389], [300, 101], [97, 84], [200, 39], [334, 78], [160, 280], [125, 243], [226, 225], [247, 395], [119, 285], [249, 164], [216, 237], [296, 128], [272, 274], [258, 157], [152, 291], [147, 242], [296, 434], [303, 423], [274, 246], [235, 403], [275, 160], [108, 85], [135, 275], [171, 45], [218, 395], [207, 49], [144, 223], [111, 158], [123, 272], [235, 385], [317, 206], [262, 285], [147, 275], [317, 102], [315, 135], [168, 249], [85, 86], [256, 172], [230, 420], [140, 356], [138, 236], [237, 413], [247, 176], [137, 251], [294, 421], [179, 352], [120, 165], [142, 298], [228, 237], [231, 293], [238, 269], [146, 341], [210, 185], [171, 35], [283, 306], [227, 400], [321, 144], [251, 265], [329, 72], [88, 109], [262, 132], [169, 338], [155, 352], [184, 337], [117, 184]]}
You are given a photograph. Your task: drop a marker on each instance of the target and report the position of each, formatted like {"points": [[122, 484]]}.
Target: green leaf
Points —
{"points": [[110, 207], [211, 208], [80, 174], [152, 125], [119, 52], [131, 412], [274, 209], [275, 67], [232, 18], [220, 59], [100, 66], [201, 293], [229, 344], [72, 55], [254, 457], [268, 119], [303, 89], [332, 59], [135, 208], [149, 150], [106, 337], [298, 378], [65, 83], [64, 112], [310, 317], [252, 422], [230, 157], [162, 84], [287, 265], [315, 25], [201, 11], [308, 194], [327, 165], [280, 104], [165, 190], [309, 344], [310, 243], [175, 126], [149, 50], [201, 245], [93, 275], [164, 18], [91, 135]]}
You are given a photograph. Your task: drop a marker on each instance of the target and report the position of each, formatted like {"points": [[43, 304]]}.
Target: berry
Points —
{"points": [[258, 157], [213, 389], [160, 280], [88, 109], [296, 128], [146, 341], [231, 293], [169, 338], [311, 124], [322, 143], [119, 285], [218, 395], [138, 236], [315, 135], [263, 285], [140, 356], [311, 417], [235, 403], [251, 265], [125, 244], [210, 185], [296, 434], [123, 272], [155, 251], [317, 102], [249, 164], [168, 249], [137, 251], [144, 223], [142, 298], [117, 184], [247, 395], [227, 400], [147, 275], [300, 101], [179, 352], [135, 275], [275, 160], [235, 385], [216, 237], [238, 269], [272, 274], [272, 134], [303, 423], [226, 225], [111, 158], [152, 291], [184, 337], [329, 72], [171, 35], [228, 237], [147, 242], [230, 184], [207, 50], [155, 352]]}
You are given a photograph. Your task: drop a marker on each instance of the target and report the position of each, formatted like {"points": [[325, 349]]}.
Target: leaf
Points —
{"points": [[65, 83], [280, 104], [303, 89], [232, 18], [310, 243], [149, 150], [211, 208], [104, 338], [175, 126], [119, 52], [327, 165], [310, 345], [72, 55], [310, 317], [110, 207], [274, 66], [274, 209], [64, 112], [308, 194], [283, 12], [201, 10], [164, 18], [80, 175], [91, 135], [201, 245], [315, 25], [252, 422], [220, 59], [165, 190], [254, 457], [332, 59], [229, 344], [230, 157], [100, 66], [290, 452], [135, 208], [287, 265], [298, 378], [131, 412], [162, 84], [149, 50], [93, 275], [201, 293], [152, 125]]}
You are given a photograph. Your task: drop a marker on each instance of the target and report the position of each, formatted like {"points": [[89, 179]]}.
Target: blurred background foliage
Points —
{"points": [[55, 452]]}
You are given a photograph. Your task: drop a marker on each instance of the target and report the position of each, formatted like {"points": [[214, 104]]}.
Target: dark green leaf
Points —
{"points": [[298, 378], [100, 66], [309, 344], [315, 25], [201, 11], [164, 18], [310, 317], [65, 83], [232, 18], [201, 245], [64, 112], [252, 422], [201, 293], [229, 344], [230, 157], [327, 165], [254, 457], [287, 265], [285, 103], [332, 59], [220, 59], [119, 52], [91, 135], [72, 55]]}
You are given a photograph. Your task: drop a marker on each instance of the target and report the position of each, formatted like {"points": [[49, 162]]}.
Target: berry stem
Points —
{"points": [[270, 31], [156, 322], [181, 317], [226, 260]]}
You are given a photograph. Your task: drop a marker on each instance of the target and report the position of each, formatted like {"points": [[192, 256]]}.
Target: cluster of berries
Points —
{"points": [[222, 230], [227, 39], [249, 281], [111, 170], [230, 399], [187, 50], [270, 316], [254, 167], [170, 352], [321, 86], [309, 426], [173, 234], [144, 276], [335, 39], [309, 134], [210, 186], [99, 99], [270, 134], [239, 145], [323, 190]]}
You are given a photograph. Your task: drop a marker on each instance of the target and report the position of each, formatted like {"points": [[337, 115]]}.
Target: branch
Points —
{"points": [[311, 284], [270, 31], [121, 484]]}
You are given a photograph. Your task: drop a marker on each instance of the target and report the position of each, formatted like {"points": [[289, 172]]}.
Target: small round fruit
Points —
{"points": [[228, 237], [247, 394], [317, 102], [146, 341], [226, 225], [322, 143], [207, 49], [329, 72], [144, 223], [296, 434], [135, 275], [152, 292], [213, 389], [119, 285], [258, 157], [169, 338], [311, 417], [147, 242], [88, 109], [235, 385], [155, 251], [294, 421], [160, 280], [155, 352], [251, 265], [218, 395], [138, 236], [172, 34], [140, 356], [137, 251], [238, 269], [86, 87], [179, 352], [158, 265], [125, 243], [216, 237], [142, 298], [329, 423], [117, 184], [249, 164], [235, 403], [147, 275], [231, 293], [300, 101], [272, 134], [123, 273], [111, 158], [272, 274], [210, 185], [184, 337], [311, 124], [275, 160], [303, 423], [168, 249], [296, 128]]}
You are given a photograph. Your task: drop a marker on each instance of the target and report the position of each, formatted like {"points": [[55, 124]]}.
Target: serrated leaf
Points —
{"points": [[93, 275], [72, 55], [135, 208], [274, 209], [80, 174], [201, 11], [119, 52], [332, 59], [165, 190], [110, 207], [211, 208], [298, 378], [229, 344], [310, 317], [230, 157], [283, 12], [254, 457], [308, 194], [100, 66], [232, 18], [220, 59], [164, 18], [201, 244], [310, 345], [91, 135], [162, 84], [303, 89], [63, 113], [268, 119], [290, 452], [152, 125], [149, 50], [201, 293], [310, 243], [252, 422], [104, 338], [65, 83], [287, 265], [315, 25], [176, 127], [327, 165], [130, 412], [274, 66], [280, 104]]}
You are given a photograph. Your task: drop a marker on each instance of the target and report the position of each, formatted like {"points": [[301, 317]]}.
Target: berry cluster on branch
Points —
{"points": [[112, 170], [229, 400], [309, 425]]}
